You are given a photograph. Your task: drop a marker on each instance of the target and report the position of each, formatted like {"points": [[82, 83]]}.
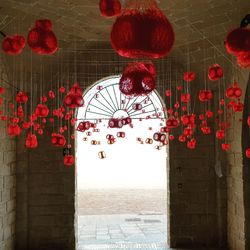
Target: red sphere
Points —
{"points": [[189, 76], [42, 110], [74, 98], [205, 95], [31, 141], [42, 39], [58, 140], [172, 122], [188, 119], [248, 121], [21, 97], [238, 40], [215, 72], [185, 98], [13, 130], [225, 146], [191, 144], [248, 152], [83, 126], [234, 91], [110, 8], [13, 45], [68, 160], [243, 59], [142, 33], [137, 79], [220, 134]]}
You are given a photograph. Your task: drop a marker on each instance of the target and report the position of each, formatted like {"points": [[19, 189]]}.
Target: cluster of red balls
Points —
{"points": [[74, 98], [41, 39]]}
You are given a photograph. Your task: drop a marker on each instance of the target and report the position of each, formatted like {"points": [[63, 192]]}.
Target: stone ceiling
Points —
{"points": [[200, 25]]}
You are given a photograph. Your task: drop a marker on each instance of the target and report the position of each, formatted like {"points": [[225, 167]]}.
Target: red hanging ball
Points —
{"points": [[215, 72], [206, 130], [243, 59], [172, 122], [188, 132], [26, 125], [209, 114], [225, 146], [115, 123], [110, 8], [13, 45], [68, 160], [74, 98], [188, 119], [248, 152], [189, 76], [205, 95], [31, 141], [51, 94], [142, 31], [21, 97], [83, 126], [2, 90], [185, 98], [13, 130], [42, 110], [191, 144], [248, 121], [220, 134], [58, 140], [137, 79], [234, 91], [20, 112], [42, 39], [238, 40], [182, 138]]}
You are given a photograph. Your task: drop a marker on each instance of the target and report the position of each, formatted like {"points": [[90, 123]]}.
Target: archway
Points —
{"points": [[121, 172]]}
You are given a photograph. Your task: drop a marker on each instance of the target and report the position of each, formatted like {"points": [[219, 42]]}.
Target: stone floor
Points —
{"points": [[146, 231]]}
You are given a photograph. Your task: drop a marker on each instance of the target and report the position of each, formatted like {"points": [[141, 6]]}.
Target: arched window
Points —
{"points": [[122, 184]]}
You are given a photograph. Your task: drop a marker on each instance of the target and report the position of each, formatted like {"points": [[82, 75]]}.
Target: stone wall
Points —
{"points": [[7, 172]]}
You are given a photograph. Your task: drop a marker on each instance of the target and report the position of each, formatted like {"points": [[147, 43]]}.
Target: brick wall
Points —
{"points": [[7, 174]]}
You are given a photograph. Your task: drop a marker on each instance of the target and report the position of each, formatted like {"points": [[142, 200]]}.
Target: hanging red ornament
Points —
{"points": [[21, 97], [205, 95], [189, 76], [238, 40], [58, 140], [20, 112], [188, 119], [83, 126], [248, 121], [172, 122], [160, 137], [220, 134], [31, 141], [74, 98], [115, 123], [62, 89], [206, 130], [168, 93], [126, 121], [141, 31], [110, 8], [51, 94], [243, 59], [191, 144], [215, 72], [185, 98], [188, 132], [13, 45], [182, 138], [137, 79], [248, 152], [2, 90], [209, 114], [239, 107], [171, 137], [42, 110], [42, 39], [13, 130], [225, 146], [26, 125], [234, 91], [68, 160]]}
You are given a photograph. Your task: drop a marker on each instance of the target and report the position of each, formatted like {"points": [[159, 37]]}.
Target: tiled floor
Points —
{"points": [[127, 231]]}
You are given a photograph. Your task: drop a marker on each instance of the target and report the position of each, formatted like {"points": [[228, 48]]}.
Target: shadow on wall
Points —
{"points": [[246, 165]]}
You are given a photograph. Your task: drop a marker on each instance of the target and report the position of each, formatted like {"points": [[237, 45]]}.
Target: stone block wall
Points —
{"points": [[7, 172]]}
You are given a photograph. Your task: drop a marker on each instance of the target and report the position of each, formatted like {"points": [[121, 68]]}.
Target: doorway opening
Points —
{"points": [[121, 172]]}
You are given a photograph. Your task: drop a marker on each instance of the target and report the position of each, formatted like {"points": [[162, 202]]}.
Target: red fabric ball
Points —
{"points": [[185, 98], [45, 24], [42, 40], [238, 40], [83, 126], [68, 160], [74, 98], [42, 110], [220, 134], [115, 123], [191, 144], [13, 130], [248, 152], [172, 122], [21, 97], [137, 79], [206, 130], [20, 112], [110, 8], [234, 91], [248, 121], [215, 72], [31, 141], [13, 45], [243, 60], [142, 33], [205, 95], [188, 119], [225, 146], [58, 140], [189, 76]]}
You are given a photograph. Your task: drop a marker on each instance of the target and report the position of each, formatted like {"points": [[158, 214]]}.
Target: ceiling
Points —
{"points": [[200, 26]]}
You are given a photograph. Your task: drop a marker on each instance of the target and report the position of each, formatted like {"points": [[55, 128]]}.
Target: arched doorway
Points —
{"points": [[121, 182]]}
